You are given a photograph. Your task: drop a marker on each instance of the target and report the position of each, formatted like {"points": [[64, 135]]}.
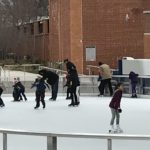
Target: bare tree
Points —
{"points": [[15, 13]]}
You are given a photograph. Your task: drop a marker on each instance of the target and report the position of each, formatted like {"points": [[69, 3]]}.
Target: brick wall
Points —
{"points": [[114, 27], [105, 26]]}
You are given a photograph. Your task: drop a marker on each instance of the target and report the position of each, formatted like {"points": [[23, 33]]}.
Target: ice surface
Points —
{"points": [[92, 116]]}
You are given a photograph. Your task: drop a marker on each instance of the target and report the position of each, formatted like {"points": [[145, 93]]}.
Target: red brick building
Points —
{"points": [[88, 31]]}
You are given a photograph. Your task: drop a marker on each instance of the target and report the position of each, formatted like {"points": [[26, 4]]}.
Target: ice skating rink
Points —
{"points": [[92, 116]]}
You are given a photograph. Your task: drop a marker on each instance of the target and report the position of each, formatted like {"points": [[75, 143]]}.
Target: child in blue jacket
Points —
{"points": [[40, 92]]}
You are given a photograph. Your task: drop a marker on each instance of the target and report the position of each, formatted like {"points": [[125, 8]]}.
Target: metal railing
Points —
{"points": [[52, 137]]}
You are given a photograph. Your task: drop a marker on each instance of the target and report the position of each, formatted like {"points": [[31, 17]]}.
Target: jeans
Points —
{"points": [[115, 114], [133, 85]]}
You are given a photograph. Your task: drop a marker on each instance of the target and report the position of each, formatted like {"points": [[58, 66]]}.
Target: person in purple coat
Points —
{"points": [[115, 109], [134, 80]]}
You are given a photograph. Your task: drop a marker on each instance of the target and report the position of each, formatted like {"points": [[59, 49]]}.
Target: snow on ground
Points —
{"points": [[92, 116]]}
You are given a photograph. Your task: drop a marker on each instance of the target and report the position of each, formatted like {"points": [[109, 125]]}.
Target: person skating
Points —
{"points": [[1, 101], [69, 66], [40, 92], [16, 93], [105, 73], [74, 87], [21, 89], [68, 87], [134, 80], [52, 79], [116, 109], [99, 82]]}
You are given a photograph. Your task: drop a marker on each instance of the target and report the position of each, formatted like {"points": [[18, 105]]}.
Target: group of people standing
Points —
{"points": [[50, 78]]}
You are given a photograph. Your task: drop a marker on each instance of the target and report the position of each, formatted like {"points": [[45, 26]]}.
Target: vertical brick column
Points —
{"points": [[76, 33]]}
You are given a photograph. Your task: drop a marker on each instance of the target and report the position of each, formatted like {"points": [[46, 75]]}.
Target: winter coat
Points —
{"points": [[1, 91], [40, 85], [116, 100], [50, 76], [70, 67], [74, 79], [133, 77], [105, 71]]}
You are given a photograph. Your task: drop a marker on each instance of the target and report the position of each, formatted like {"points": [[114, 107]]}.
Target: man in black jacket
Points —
{"points": [[52, 79], [69, 66]]}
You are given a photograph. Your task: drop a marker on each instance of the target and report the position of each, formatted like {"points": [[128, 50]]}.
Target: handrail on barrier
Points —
{"points": [[52, 137]]}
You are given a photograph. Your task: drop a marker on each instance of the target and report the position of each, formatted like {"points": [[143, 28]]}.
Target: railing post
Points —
{"points": [[4, 141], [51, 143], [109, 144]]}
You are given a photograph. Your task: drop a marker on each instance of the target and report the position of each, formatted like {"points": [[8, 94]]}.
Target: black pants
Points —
{"points": [[40, 95], [22, 93], [16, 94], [68, 92], [74, 95], [103, 84], [55, 90], [1, 102]]}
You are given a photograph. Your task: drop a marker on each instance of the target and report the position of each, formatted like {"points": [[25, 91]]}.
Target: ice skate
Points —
{"points": [[36, 107], [71, 105], [77, 104], [119, 130], [112, 130]]}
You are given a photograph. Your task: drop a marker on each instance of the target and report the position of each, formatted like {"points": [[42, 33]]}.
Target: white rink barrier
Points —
{"points": [[52, 137]]}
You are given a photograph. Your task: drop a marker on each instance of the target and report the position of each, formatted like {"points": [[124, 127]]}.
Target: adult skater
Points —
{"points": [[105, 73], [1, 101], [74, 88], [16, 93], [52, 79], [99, 82], [115, 109], [40, 92], [134, 80], [21, 89], [69, 65]]}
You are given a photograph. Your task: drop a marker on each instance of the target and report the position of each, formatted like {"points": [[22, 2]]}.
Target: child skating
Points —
{"points": [[40, 91], [115, 109]]}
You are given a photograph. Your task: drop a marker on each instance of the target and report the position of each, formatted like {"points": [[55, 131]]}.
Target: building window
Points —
{"points": [[91, 53], [40, 27]]}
